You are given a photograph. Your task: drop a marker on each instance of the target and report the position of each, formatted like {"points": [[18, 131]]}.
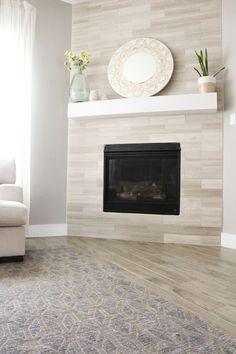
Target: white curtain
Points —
{"points": [[17, 26]]}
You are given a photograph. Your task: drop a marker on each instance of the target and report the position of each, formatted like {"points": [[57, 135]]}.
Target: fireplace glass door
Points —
{"points": [[142, 178]]}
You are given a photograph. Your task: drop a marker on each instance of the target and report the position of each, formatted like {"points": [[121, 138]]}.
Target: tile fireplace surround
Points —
{"points": [[200, 220], [183, 26]]}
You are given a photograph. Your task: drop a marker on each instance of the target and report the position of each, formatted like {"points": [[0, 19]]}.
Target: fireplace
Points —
{"points": [[142, 178]]}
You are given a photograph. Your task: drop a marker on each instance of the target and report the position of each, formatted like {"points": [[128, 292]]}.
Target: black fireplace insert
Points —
{"points": [[142, 178]]}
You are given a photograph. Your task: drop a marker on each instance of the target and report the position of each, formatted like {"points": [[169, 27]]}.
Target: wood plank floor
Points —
{"points": [[199, 279]]}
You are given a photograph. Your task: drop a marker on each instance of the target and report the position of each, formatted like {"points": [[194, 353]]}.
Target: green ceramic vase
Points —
{"points": [[79, 89]]}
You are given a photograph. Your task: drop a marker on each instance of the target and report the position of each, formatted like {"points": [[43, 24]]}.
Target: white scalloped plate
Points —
{"points": [[162, 65]]}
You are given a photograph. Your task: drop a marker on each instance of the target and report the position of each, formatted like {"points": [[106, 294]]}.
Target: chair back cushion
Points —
{"points": [[7, 171]]}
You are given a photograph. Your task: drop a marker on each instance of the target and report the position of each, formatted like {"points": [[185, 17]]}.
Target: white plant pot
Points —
{"points": [[207, 84]]}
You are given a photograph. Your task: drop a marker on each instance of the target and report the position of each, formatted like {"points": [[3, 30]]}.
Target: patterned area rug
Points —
{"points": [[62, 300]]}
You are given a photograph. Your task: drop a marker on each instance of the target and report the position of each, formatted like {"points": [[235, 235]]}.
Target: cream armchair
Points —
{"points": [[13, 214]]}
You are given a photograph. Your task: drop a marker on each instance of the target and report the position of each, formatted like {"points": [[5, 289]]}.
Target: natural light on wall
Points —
{"points": [[17, 24]]}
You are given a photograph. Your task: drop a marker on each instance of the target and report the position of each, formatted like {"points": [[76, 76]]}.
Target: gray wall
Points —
{"points": [[229, 51], [49, 115]]}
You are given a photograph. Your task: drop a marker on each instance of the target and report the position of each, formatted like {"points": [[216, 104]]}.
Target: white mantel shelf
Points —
{"points": [[172, 104]]}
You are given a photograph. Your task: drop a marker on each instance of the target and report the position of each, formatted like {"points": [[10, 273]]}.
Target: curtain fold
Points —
{"points": [[17, 28]]}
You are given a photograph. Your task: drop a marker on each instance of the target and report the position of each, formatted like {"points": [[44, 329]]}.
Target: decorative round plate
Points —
{"points": [[141, 67]]}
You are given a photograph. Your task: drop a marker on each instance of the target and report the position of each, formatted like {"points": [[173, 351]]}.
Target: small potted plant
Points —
{"points": [[79, 89], [206, 82]]}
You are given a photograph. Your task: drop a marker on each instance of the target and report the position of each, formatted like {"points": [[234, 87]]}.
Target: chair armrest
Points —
{"points": [[11, 192]]}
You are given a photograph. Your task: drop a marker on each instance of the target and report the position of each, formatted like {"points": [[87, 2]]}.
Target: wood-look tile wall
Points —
{"points": [[183, 25]]}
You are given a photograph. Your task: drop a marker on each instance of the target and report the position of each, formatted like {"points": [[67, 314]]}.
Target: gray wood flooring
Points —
{"points": [[197, 278]]}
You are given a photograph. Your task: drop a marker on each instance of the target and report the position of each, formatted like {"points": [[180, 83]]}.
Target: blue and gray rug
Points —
{"points": [[65, 301]]}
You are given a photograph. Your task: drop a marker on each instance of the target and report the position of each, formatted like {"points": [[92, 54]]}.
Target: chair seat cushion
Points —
{"points": [[12, 213]]}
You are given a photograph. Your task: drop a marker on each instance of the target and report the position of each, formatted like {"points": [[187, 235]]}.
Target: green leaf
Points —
{"points": [[197, 71], [206, 61], [198, 55], [218, 71], [203, 61], [202, 66]]}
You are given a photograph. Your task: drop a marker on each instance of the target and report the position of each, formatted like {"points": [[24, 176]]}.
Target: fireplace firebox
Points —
{"points": [[142, 178]]}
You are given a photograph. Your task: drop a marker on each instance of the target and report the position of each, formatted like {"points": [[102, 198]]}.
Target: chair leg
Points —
{"points": [[11, 259]]}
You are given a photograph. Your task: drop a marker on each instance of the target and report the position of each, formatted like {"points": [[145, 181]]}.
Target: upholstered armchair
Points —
{"points": [[13, 214]]}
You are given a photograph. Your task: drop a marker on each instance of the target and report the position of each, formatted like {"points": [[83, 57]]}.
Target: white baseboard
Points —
{"points": [[228, 240], [49, 230]]}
